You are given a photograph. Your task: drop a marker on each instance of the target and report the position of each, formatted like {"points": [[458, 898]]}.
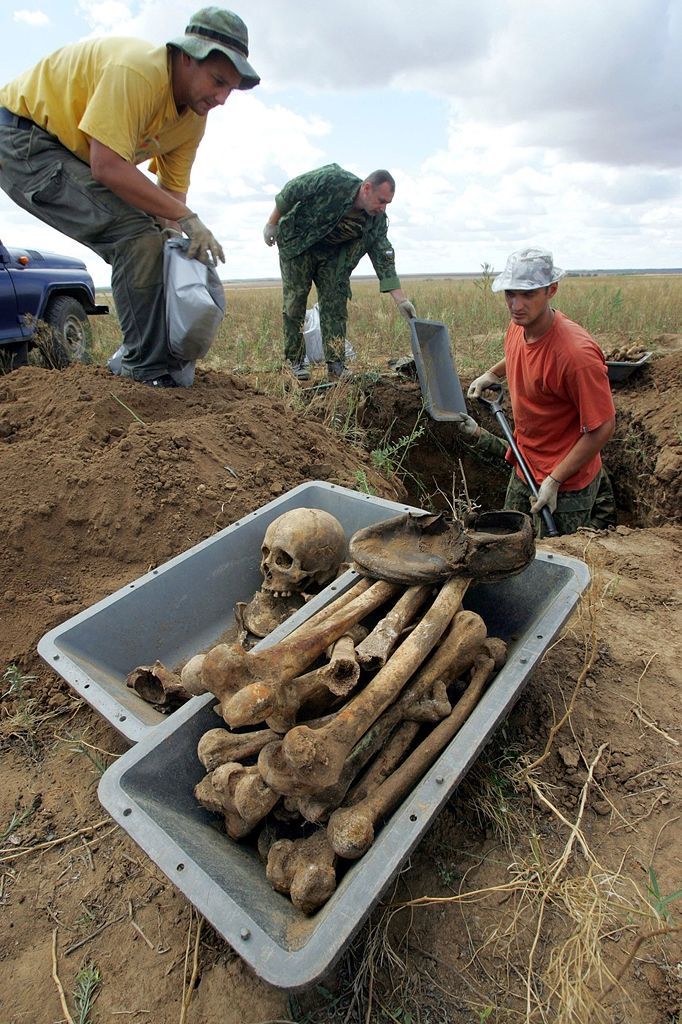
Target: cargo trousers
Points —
{"points": [[593, 505], [47, 180], [328, 267]]}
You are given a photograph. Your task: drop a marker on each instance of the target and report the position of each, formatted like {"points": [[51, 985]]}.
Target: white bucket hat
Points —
{"points": [[528, 269]]}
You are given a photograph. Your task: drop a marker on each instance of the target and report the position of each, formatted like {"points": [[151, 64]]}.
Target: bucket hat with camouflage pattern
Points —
{"points": [[528, 269], [214, 28]]}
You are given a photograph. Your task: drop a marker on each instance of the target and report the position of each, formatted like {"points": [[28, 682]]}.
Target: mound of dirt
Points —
{"points": [[103, 479]]}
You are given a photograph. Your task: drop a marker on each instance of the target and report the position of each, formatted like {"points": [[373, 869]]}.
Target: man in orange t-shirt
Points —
{"points": [[561, 400]]}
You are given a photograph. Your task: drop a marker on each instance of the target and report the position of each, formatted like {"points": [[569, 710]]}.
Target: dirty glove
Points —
{"points": [[466, 425], [478, 386], [406, 309], [547, 495], [201, 240], [270, 233]]}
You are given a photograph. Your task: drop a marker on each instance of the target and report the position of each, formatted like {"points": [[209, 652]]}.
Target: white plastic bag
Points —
{"points": [[195, 307], [195, 302], [312, 335]]}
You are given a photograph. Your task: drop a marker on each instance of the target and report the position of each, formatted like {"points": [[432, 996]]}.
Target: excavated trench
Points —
{"points": [[438, 469]]}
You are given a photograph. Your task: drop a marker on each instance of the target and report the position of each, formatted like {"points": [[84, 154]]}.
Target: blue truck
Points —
{"points": [[45, 302]]}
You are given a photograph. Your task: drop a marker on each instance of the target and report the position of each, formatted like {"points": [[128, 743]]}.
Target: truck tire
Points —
{"points": [[71, 331]]}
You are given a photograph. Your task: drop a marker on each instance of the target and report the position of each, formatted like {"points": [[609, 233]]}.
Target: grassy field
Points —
{"points": [[639, 308]]}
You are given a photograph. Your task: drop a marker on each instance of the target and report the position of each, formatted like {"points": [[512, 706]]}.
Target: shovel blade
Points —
{"points": [[440, 386]]}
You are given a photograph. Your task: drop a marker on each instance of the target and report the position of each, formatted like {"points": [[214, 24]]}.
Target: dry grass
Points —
{"points": [[639, 308]]}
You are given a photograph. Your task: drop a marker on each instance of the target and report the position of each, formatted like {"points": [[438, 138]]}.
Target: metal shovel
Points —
{"points": [[495, 406]]}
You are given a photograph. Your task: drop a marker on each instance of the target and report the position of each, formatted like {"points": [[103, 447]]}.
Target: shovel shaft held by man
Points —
{"points": [[496, 408]]}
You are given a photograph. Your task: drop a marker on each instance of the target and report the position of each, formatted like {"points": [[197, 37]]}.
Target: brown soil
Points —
{"points": [[92, 498]]}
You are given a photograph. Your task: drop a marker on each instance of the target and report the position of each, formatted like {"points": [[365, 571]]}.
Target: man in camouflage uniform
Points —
{"points": [[324, 222], [561, 400]]}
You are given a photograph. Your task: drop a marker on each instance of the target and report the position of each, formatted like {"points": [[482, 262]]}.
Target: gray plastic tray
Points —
{"points": [[149, 792], [438, 380], [619, 370], [184, 606]]}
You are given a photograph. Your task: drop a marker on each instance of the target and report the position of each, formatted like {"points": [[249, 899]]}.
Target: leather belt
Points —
{"points": [[14, 120]]}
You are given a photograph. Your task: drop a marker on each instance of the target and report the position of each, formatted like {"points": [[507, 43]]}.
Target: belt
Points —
{"points": [[14, 120]]}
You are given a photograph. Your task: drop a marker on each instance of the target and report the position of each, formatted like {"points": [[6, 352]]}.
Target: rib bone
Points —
{"points": [[351, 829], [318, 755]]}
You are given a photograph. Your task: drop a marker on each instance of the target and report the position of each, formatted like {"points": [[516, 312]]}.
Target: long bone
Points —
{"points": [[334, 683], [455, 656], [316, 807], [278, 702], [158, 686], [218, 746], [384, 764], [195, 666], [351, 829], [318, 755], [227, 668], [377, 646], [303, 868]]}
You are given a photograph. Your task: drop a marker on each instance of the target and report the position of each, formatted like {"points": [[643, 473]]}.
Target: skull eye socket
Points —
{"points": [[283, 560]]}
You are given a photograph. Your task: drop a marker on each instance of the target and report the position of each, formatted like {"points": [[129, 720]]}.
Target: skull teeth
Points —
{"points": [[277, 593]]}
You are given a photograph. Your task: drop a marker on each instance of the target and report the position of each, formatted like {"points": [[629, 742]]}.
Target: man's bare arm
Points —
{"points": [[134, 187], [583, 450]]}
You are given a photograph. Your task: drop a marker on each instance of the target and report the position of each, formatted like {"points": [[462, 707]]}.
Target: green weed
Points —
{"points": [[15, 680], [659, 902], [88, 981], [19, 817], [99, 759], [362, 483]]}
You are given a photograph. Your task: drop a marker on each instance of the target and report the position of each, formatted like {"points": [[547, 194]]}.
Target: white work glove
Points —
{"points": [[547, 495], [270, 233], [407, 310], [201, 241], [478, 386], [466, 425]]}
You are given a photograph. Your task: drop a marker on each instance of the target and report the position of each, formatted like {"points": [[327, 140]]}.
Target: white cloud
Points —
{"points": [[35, 18], [562, 129]]}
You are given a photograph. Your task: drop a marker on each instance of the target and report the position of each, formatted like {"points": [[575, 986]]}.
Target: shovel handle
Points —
{"points": [[496, 408]]}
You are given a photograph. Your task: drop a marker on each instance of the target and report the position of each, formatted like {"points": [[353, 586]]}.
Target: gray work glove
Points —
{"points": [[547, 495], [478, 386], [466, 425], [407, 310], [270, 233], [201, 241]]}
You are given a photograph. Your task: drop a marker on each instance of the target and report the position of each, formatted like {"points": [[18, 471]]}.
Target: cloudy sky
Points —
{"points": [[505, 123]]}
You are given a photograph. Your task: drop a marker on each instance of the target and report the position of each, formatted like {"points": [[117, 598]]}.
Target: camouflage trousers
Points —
{"points": [[593, 505], [328, 267]]}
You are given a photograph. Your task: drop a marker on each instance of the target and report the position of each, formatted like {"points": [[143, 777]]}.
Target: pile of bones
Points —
{"points": [[328, 730]]}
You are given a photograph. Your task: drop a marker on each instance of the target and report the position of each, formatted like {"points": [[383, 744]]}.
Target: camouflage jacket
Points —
{"points": [[314, 202]]}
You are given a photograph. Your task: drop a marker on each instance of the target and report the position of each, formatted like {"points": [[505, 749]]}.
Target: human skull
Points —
{"points": [[302, 547]]}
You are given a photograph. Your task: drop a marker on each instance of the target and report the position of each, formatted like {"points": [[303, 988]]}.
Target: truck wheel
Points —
{"points": [[71, 331]]}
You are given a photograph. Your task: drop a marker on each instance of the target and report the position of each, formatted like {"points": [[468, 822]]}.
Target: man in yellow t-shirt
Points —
{"points": [[73, 130]]}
